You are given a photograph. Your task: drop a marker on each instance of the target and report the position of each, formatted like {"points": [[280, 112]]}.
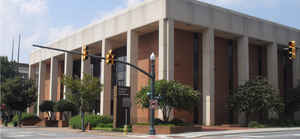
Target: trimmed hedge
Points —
{"points": [[25, 116], [94, 120]]}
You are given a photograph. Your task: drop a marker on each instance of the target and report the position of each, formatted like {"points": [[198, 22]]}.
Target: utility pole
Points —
{"points": [[12, 50], [19, 50]]}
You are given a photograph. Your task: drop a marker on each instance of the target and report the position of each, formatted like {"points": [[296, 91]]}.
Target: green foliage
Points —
{"points": [[255, 124], [293, 100], [25, 116], [64, 105], [47, 106], [18, 94], [94, 120], [83, 93], [7, 69], [256, 96], [172, 95]]}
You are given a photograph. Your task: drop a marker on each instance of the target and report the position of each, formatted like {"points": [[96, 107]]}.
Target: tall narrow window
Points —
{"points": [[196, 72]]}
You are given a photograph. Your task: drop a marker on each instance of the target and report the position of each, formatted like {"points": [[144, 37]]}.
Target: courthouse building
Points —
{"points": [[209, 48]]}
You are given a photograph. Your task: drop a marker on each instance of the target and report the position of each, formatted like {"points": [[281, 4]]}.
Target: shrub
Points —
{"points": [[64, 105], [255, 124], [256, 96], [170, 95], [94, 120], [47, 106], [25, 116]]}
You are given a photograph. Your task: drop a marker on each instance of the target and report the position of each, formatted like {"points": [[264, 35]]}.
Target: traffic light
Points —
{"points": [[84, 52], [292, 50], [109, 58]]}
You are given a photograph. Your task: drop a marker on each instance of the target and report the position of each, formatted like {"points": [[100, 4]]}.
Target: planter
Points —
{"points": [[30, 122], [48, 123], [144, 129], [62, 123]]}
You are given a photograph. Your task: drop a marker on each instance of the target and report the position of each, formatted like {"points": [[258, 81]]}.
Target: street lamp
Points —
{"points": [[152, 59]]}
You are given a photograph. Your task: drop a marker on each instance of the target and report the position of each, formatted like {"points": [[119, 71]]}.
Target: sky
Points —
{"points": [[42, 21]]}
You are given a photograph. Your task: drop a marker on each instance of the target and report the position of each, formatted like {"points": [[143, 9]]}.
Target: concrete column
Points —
{"points": [[31, 73], [85, 67], [105, 100], [243, 60], [41, 85], [131, 74], [31, 76], [68, 69], [296, 69], [243, 67], [53, 79], [272, 64], [208, 77], [166, 49]]}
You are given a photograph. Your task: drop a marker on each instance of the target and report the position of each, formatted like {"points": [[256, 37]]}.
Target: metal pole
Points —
{"points": [[19, 50], [82, 116], [12, 50], [152, 130]]}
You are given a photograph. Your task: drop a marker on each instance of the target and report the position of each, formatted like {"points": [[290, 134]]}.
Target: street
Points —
{"points": [[44, 133], [268, 135], [50, 133]]}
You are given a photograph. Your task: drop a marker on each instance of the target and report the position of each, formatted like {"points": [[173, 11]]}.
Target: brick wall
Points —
{"points": [[254, 51], [184, 70], [148, 43]]}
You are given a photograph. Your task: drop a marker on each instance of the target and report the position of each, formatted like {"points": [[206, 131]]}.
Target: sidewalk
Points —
{"points": [[217, 133], [230, 132]]}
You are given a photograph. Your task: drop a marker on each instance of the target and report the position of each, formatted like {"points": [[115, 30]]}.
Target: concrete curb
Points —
{"points": [[218, 133]]}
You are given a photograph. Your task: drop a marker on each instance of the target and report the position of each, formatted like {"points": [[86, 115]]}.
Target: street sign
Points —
{"points": [[126, 102], [153, 104]]}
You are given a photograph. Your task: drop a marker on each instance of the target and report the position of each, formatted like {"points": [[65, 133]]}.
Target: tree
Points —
{"points": [[292, 102], [7, 69], [255, 96], [47, 106], [171, 95], [18, 94], [64, 106], [83, 93]]}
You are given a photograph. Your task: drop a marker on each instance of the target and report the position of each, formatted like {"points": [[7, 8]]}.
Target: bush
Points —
{"points": [[64, 105], [255, 124], [256, 97], [25, 116], [175, 122], [94, 120], [46, 106]]}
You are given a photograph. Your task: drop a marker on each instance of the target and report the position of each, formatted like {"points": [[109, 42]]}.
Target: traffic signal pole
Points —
{"points": [[95, 56], [112, 60]]}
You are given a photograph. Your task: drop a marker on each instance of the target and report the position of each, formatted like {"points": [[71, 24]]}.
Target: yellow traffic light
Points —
{"points": [[84, 52], [292, 50], [109, 57]]}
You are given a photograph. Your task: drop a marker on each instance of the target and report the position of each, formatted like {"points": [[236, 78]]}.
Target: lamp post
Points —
{"points": [[152, 59]]}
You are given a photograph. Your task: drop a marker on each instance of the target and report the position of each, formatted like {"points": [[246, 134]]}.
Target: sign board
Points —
{"points": [[153, 104], [126, 102], [121, 104]]}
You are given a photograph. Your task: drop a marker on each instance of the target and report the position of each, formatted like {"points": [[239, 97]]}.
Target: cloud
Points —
{"points": [[57, 33], [30, 18], [26, 17], [34, 6]]}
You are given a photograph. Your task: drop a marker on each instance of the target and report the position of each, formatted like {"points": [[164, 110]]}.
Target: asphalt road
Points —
{"points": [[267, 135], [37, 133]]}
